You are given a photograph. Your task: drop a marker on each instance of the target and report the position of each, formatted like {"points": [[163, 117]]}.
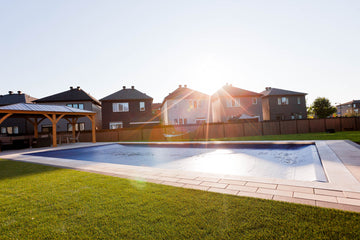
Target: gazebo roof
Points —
{"points": [[52, 112], [37, 108]]}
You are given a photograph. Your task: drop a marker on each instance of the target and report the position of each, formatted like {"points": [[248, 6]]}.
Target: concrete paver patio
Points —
{"points": [[340, 159]]}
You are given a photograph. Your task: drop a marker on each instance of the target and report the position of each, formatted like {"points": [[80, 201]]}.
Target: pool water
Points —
{"points": [[284, 161]]}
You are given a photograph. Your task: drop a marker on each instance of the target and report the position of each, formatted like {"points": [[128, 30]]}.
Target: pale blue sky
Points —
{"points": [[308, 46]]}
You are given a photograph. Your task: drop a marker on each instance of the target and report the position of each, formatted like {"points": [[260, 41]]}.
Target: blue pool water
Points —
{"points": [[286, 161]]}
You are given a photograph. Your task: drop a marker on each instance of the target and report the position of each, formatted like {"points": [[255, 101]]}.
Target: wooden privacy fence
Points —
{"points": [[224, 130]]}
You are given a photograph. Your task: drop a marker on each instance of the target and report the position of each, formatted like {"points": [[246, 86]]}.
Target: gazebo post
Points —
{"points": [[93, 128], [54, 130]]}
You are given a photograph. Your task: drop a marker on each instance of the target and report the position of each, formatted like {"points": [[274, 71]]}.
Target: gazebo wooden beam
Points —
{"points": [[5, 117]]}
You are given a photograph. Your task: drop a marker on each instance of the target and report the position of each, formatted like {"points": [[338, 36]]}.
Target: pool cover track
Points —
{"points": [[340, 161]]}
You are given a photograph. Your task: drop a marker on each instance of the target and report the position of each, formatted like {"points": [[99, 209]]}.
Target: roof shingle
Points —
{"points": [[126, 94], [279, 92], [74, 94]]}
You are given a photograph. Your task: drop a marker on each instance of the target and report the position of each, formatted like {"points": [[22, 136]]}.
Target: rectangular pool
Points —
{"points": [[284, 161]]}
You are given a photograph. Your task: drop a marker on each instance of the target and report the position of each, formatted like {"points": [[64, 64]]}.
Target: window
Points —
{"points": [[254, 101], [116, 125], [76, 105], [46, 128], [185, 121], [9, 130], [176, 121], [299, 116], [283, 101], [180, 121], [142, 106], [3, 130], [195, 104], [298, 100], [120, 107], [16, 130], [233, 102], [78, 126]]}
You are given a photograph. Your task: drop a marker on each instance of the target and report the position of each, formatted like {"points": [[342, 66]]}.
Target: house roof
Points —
{"points": [[229, 90], [347, 103], [269, 91], [74, 94], [29, 107], [185, 93], [126, 94], [13, 98]]}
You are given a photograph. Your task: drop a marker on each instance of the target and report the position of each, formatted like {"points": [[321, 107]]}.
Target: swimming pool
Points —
{"points": [[284, 161]]}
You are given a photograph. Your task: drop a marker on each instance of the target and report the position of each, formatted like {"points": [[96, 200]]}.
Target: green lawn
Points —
{"points": [[350, 135], [42, 202]]}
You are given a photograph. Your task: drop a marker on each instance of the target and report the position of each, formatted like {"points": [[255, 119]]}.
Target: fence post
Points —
{"points": [[280, 127], [262, 128], [309, 127], [223, 126]]}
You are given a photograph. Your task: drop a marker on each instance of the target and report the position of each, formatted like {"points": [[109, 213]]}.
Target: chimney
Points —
{"points": [[180, 86], [132, 87], [10, 92], [78, 88], [185, 86], [71, 88], [268, 88], [19, 92], [124, 87]]}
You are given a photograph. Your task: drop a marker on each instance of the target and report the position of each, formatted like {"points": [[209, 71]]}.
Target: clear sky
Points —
{"points": [[310, 46]]}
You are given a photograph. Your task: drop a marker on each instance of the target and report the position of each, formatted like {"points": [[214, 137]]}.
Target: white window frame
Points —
{"points": [[254, 101], [76, 105], [283, 101], [142, 106], [233, 102], [116, 125], [124, 107], [298, 100]]}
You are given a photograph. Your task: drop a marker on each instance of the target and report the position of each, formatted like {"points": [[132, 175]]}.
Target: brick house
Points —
{"points": [[127, 108], [280, 104], [76, 98], [351, 108], [185, 106], [16, 126], [230, 103]]}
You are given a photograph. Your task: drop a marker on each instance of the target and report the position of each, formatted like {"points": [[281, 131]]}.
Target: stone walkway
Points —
{"points": [[341, 162]]}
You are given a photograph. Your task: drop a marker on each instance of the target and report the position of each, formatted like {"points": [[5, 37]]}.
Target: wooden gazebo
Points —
{"points": [[36, 113]]}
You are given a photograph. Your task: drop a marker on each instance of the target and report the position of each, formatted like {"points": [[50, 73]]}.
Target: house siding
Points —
{"points": [[274, 111], [183, 109], [133, 115], [222, 113], [62, 124]]}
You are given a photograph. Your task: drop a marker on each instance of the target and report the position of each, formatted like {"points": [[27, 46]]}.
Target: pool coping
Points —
{"points": [[340, 159]]}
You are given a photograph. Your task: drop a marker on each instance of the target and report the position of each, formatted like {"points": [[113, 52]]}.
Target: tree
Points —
{"points": [[322, 108]]}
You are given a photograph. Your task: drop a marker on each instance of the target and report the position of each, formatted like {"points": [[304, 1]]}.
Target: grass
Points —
{"points": [[347, 135], [43, 202]]}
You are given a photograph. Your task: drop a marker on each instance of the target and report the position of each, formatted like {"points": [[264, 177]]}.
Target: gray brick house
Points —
{"points": [[16, 126], [231, 102], [127, 107], [76, 98], [280, 104]]}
